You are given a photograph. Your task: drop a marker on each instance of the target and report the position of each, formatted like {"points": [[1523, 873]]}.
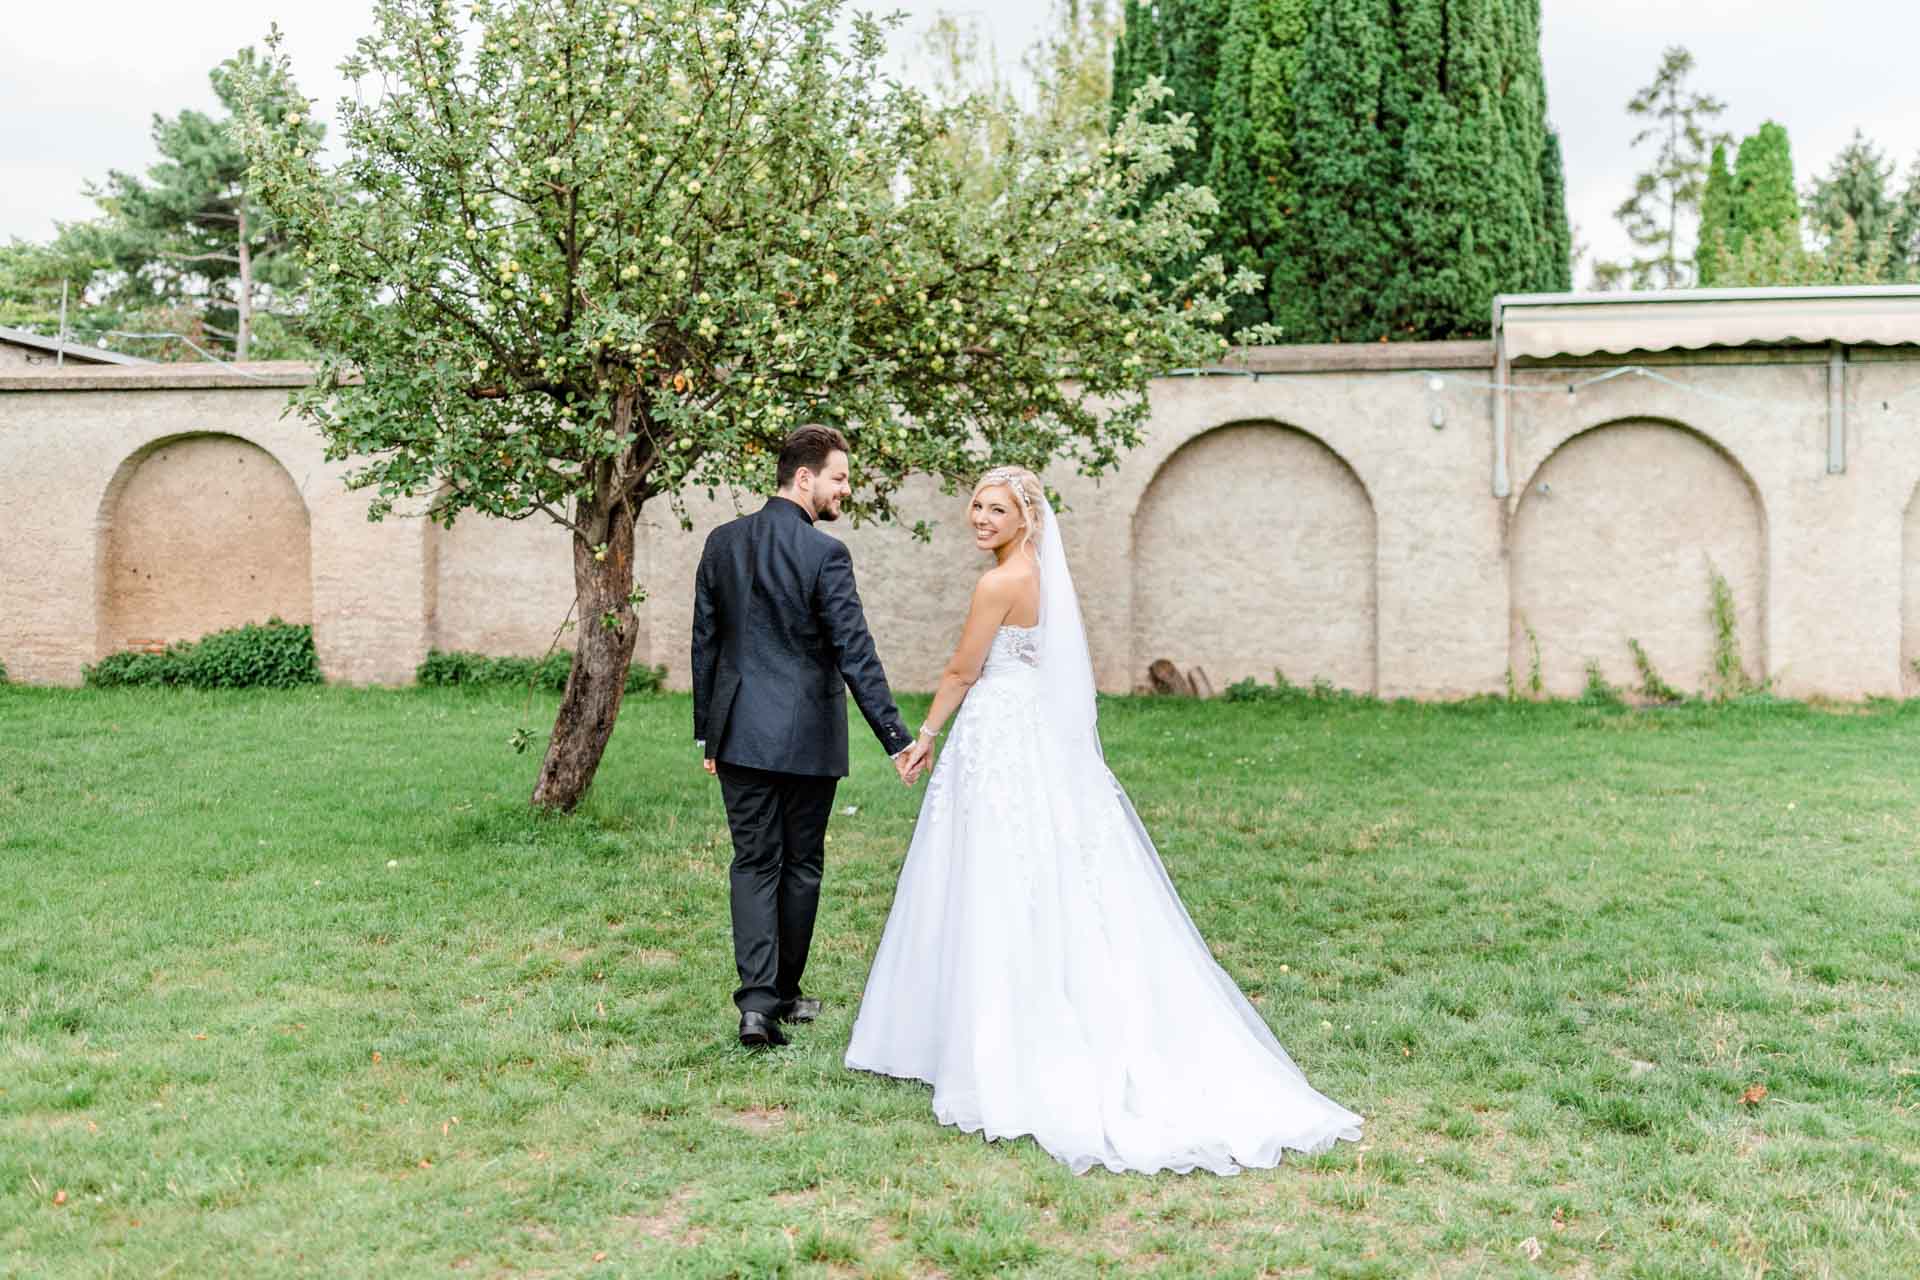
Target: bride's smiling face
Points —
{"points": [[995, 516]]}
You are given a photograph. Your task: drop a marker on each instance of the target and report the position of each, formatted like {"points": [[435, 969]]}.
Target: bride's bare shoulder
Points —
{"points": [[1011, 590], [1013, 576]]}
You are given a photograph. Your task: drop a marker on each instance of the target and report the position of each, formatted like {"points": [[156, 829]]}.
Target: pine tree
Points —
{"points": [[1716, 219], [1856, 189], [190, 235], [1251, 168], [1763, 194], [1905, 235], [1666, 194]]}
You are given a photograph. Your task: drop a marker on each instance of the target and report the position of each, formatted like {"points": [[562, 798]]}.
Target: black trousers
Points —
{"points": [[779, 824]]}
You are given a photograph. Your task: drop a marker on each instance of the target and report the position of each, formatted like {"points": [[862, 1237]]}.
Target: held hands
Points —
{"points": [[914, 761]]}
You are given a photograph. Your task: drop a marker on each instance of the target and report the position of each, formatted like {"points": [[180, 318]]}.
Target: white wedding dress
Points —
{"points": [[1038, 968]]}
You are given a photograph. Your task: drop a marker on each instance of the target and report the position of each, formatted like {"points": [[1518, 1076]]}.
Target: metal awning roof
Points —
{"points": [[67, 350], [1542, 325]]}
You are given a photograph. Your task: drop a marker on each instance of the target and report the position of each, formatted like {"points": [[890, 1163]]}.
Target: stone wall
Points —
{"points": [[1312, 518]]}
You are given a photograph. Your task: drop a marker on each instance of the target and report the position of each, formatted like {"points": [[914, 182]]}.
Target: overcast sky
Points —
{"points": [[78, 87]]}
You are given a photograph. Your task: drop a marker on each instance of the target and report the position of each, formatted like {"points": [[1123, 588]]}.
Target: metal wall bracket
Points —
{"points": [[1836, 409], [1502, 483]]}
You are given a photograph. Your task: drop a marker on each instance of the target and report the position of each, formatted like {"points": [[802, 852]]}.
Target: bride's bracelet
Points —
{"points": [[928, 734]]}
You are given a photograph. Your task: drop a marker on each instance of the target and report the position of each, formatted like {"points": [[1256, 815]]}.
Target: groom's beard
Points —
{"points": [[831, 512]]}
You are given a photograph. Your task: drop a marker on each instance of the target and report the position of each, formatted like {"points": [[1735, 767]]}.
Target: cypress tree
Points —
{"points": [[1251, 168], [1137, 55], [1764, 198], [1346, 235], [1428, 180], [1556, 234], [1468, 208], [1716, 218], [1178, 40], [1191, 31]]}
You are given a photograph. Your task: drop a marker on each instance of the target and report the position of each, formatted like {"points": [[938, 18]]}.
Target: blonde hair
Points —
{"points": [[1027, 491]]}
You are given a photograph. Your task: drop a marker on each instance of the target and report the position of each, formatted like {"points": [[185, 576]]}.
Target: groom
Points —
{"points": [[778, 639]]}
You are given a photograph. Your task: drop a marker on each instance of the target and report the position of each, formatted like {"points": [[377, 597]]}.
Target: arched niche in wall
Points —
{"points": [[503, 587], [1254, 549], [200, 533], [1614, 540]]}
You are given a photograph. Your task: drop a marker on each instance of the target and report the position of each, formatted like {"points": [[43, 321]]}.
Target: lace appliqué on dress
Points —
{"points": [[1014, 644]]}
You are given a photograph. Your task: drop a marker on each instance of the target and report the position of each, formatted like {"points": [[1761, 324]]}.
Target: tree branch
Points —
{"points": [[198, 257]]}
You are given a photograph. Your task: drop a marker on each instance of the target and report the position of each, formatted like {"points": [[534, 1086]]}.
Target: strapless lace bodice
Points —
{"points": [[1014, 650]]}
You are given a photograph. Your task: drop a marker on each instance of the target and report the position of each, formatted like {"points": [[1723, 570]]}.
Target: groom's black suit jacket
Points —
{"points": [[778, 639]]}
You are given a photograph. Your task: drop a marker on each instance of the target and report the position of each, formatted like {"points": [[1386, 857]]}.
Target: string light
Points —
{"points": [[1438, 380]]}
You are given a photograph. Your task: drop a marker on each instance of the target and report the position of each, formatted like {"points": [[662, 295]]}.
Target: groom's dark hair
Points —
{"points": [[808, 447]]}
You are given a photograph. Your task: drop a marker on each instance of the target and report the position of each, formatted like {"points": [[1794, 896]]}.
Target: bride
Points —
{"points": [[1038, 968]]}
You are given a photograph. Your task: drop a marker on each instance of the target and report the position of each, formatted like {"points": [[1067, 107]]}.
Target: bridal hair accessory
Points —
{"points": [[1017, 480]]}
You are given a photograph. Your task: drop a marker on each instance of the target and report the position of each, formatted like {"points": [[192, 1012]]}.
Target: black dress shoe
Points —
{"points": [[798, 1009], [758, 1031]]}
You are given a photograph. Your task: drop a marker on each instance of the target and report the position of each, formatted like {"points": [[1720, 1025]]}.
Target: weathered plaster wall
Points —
{"points": [[501, 586], [1313, 519], [1266, 526], [1615, 538], [202, 532], [68, 450]]}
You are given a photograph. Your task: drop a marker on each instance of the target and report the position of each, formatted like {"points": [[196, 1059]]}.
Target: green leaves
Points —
{"points": [[269, 655], [609, 252]]}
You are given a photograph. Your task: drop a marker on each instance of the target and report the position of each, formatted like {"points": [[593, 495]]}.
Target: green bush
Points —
{"points": [[270, 655], [127, 669], [1285, 690], [444, 668]]}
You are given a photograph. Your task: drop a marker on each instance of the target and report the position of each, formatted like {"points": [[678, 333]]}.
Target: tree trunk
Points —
{"points": [[601, 655], [245, 328]]}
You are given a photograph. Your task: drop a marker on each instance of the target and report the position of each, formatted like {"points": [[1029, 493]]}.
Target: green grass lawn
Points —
{"points": [[294, 984]]}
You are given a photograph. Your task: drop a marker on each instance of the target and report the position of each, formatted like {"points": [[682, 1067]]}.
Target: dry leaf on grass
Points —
{"points": [[1754, 1094], [1531, 1247]]}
